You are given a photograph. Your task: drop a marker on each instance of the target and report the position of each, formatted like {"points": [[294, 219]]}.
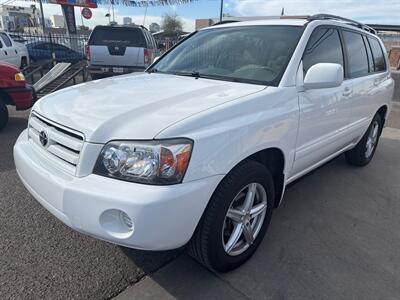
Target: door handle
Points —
{"points": [[5, 52], [347, 92]]}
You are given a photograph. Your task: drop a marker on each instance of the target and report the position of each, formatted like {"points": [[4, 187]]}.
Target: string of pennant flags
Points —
{"points": [[133, 3]]}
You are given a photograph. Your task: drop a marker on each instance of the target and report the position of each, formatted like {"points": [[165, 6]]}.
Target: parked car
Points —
{"points": [[42, 50], [13, 91], [119, 49], [200, 147], [13, 52]]}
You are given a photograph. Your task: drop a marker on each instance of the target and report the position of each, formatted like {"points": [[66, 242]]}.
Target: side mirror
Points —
{"points": [[156, 58], [324, 75]]}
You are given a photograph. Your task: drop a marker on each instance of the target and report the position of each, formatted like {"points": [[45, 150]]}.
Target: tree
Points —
{"points": [[171, 23]]}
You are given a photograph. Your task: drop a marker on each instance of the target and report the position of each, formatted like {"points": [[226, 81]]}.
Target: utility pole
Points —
{"points": [[42, 13], [221, 11]]}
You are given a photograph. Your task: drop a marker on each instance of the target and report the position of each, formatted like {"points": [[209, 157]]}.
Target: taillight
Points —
{"points": [[146, 56], [87, 52]]}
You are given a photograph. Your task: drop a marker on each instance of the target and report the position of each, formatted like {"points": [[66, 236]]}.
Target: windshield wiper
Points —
{"points": [[194, 74]]}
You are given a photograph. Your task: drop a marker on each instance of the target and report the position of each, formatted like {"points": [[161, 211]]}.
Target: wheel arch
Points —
{"points": [[274, 160], [382, 111]]}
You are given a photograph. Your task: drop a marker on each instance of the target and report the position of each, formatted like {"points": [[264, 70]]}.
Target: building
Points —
{"points": [[127, 21], [17, 18], [154, 27], [57, 21]]}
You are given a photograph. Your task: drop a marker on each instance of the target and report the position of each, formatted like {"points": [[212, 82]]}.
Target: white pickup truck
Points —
{"points": [[13, 52], [199, 148]]}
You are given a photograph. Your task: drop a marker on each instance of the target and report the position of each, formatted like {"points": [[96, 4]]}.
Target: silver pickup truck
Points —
{"points": [[113, 50]]}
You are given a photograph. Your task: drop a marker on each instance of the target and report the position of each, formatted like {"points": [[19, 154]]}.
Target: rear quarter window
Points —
{"points": [[109, 36], [377, 52]]}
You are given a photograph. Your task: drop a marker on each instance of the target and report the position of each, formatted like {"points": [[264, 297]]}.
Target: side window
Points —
{"points": [[357, 54], [377, 52], [369, 54], [324, 46], [6, 39]]}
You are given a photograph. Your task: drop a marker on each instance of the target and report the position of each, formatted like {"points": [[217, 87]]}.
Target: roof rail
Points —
{"points": [[225, 22], [348, 21]]}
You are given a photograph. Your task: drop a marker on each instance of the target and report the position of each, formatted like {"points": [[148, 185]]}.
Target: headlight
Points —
{"points": [[19, 77], [151, 162]]}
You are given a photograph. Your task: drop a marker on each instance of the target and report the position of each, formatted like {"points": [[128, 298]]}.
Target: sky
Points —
{"points": [[367, 11]]}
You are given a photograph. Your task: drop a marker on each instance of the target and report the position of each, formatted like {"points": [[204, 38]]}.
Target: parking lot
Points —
{"points": [[336, 236]]}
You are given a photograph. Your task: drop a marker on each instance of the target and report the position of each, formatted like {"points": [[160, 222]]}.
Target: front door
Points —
{"points": [[324, 113]]}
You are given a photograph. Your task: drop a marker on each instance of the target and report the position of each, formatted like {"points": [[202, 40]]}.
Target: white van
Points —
{"points": [[199, 148]]}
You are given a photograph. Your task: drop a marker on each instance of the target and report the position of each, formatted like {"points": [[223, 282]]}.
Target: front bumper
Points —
{"points": [[164, 217], [22, 97]]}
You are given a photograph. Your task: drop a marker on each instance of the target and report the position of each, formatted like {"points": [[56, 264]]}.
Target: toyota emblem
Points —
{"points": [[43, 138]]}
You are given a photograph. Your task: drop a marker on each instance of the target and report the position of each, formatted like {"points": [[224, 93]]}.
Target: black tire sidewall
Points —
{"points": [[219, 259], [3, 115], [379, 120]]}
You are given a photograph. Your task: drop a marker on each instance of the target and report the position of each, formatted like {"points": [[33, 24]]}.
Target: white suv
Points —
{"points": [[200, 147]]}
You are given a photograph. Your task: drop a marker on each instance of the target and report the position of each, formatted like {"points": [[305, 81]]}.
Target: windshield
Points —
{"points": [[252, 54]]}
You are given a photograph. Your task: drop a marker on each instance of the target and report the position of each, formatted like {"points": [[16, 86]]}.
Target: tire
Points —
{"points": [[211, 241], [3, 115], [24, 62], [364, 151]]}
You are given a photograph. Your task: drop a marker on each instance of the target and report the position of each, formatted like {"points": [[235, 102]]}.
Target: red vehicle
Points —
{"points": [[13, 91]]}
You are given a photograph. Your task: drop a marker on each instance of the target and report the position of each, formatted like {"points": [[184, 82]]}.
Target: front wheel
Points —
{"points": [[236, 218], [364, 151], [3, 115]]}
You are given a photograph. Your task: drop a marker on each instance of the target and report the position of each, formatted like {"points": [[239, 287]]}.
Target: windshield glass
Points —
{"points": [[252, 54]]}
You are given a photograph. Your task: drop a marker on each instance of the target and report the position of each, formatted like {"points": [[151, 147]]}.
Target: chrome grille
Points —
{"points": [[62, 145]]}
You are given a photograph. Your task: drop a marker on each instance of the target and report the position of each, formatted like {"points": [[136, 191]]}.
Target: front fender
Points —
{"points": [[225, 135]]}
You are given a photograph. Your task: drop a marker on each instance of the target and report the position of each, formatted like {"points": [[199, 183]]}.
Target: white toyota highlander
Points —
{"points": [[199, 148]]}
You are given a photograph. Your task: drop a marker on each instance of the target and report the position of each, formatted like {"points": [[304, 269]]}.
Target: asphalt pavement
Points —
{"points": [[40, 258], [336, 236]]}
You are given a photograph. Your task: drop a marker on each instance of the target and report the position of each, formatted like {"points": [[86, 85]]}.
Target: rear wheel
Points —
{"points": [[363, 153], [24, 62], [236, 218], [3, 115]]}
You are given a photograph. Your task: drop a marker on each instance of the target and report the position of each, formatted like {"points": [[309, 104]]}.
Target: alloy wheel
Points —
{"points": [[244, 219]]}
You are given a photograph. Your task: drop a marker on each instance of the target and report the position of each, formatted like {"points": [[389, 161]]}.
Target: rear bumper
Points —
{"points": [[22, 97], [113, 70]]}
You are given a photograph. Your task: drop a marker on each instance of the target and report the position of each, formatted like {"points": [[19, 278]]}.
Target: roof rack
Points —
{"points": [[348, 21]]}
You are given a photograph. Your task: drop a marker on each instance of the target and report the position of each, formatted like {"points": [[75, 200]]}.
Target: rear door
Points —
{"points": [[10, 53], [117, 46], [367, 72]]}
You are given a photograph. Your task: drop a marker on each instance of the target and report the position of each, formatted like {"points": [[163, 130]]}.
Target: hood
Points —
{"points": [[136, 106]]}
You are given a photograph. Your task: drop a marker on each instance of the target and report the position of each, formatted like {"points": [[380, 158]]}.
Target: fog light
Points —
{"points": [[124, 218], [117, 223]]}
